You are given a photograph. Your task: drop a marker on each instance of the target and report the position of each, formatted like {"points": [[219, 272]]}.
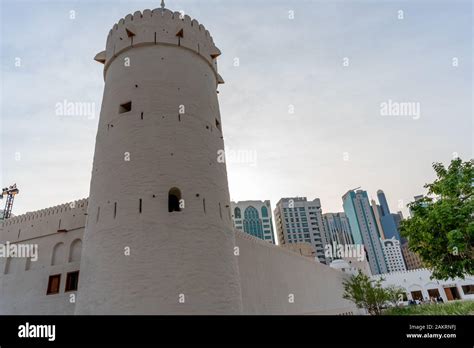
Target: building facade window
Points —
{"points": [[72, 281], [252, 223], [53, 284], [237, 213]]}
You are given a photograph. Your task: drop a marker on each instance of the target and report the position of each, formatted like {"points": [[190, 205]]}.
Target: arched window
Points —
{"points": [[252, 222], [75, 251], [174, 198], [58, 254], [264, 212], [237, 213]]}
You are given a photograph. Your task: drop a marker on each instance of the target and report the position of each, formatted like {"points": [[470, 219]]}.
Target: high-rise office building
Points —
{"points": [[338, 228], [299, 220], [364, 228], [254, 218], [412, 260], [417, 198], [393, 255], [377, 212], [388, 224]]}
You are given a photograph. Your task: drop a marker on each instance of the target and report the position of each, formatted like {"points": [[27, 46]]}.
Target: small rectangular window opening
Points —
{"points": [[72, 281], [53, 284], [125, 107]]}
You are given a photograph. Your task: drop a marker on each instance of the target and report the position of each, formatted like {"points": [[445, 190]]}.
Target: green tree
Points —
{"points": [[369, 294], [441, 230]]}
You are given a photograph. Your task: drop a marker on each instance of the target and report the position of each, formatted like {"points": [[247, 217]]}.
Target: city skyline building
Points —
{"points": [[377, 212], [298, 220], [412, 260], [255, 218], [364, 228], [338, 228], [386, 219], [393, 255]]}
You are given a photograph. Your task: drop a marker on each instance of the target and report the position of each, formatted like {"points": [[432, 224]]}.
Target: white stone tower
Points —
{"points": [[159, 236]]}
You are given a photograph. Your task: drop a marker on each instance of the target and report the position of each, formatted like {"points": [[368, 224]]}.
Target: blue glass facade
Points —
{"points": [[364, 228], [386, 219], [252, 222]]}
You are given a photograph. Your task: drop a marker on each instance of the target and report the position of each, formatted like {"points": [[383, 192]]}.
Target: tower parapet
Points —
{"points": [[159, 27]]}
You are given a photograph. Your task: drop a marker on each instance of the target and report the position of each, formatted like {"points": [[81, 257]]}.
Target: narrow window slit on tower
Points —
{"points": [[141, 115], [155, 37], [98, 214], [220, 210], [179, 117], [125, 107], [204, 205], [140, 206], [218, 124], [174, 198], [115, 210]]}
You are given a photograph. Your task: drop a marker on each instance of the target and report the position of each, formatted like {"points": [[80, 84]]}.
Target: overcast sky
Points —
{"points": [[314, 123]]}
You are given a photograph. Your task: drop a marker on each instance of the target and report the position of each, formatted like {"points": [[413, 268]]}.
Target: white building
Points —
{"points": [[419, 286], [344, 266], [393, 255], [156, 234], [254, 218], [298, 220]]}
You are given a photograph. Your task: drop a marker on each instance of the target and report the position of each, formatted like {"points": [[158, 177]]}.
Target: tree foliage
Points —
{"points": [[369, 294], [441, 229]]}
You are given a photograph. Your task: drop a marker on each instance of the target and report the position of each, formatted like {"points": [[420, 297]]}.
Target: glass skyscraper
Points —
{"points": [[386, 218], [364, 228]]}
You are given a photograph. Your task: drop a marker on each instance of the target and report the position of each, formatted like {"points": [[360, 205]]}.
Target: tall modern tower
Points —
{"points": [[159, 236], [338, 227], [364, 228], [388, 223], [377, 212]]}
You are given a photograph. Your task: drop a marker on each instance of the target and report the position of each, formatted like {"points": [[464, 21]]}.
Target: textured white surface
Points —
{"points": [[268, 274], [186, 255], [23, 291], [271, 275]]}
